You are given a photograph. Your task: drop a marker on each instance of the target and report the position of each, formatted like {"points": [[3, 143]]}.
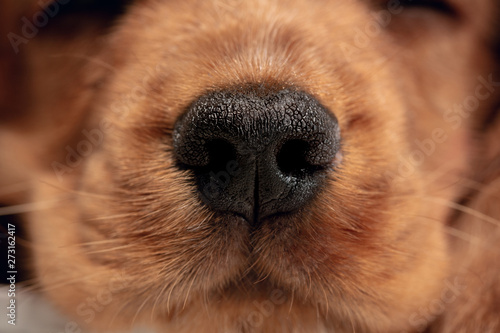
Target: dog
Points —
{"points": [[259, 165]]}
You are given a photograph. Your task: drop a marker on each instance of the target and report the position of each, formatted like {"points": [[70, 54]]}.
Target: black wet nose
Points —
{"points": [[256, 152]]}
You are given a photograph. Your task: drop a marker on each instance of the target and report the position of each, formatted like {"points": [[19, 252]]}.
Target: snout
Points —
{"points": [[257, 152]]}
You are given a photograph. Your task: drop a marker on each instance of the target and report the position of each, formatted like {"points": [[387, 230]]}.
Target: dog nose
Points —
{"points": [[256, 152]]}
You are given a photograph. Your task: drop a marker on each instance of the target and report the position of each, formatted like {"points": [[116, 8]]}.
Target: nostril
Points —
{"points": [[291, 158], [220, 153]]}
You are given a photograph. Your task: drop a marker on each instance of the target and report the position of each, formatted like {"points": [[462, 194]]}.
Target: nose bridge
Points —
{"points": [[260, 119], [283, 143], [247, 119]]}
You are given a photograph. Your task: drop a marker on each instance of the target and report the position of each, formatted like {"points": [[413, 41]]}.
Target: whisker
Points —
{"points": [[172, 287], [157, 300], [320, 278], [29, 207], [193, 279], [14, 188], [115, 216], [58, 284], [128, 246], [77, 192], [98, 242], [467, 210], [93, 60], [140, 308], [291, 302], [119, 311], [464, 236], [452, 231]]}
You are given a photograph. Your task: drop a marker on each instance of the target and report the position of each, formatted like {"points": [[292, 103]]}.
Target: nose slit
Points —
{"points": [[257, 152]]}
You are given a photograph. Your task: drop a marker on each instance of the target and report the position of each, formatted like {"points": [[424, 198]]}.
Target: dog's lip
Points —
{"points": [[249, 247], [257, 222], [250, 285]]}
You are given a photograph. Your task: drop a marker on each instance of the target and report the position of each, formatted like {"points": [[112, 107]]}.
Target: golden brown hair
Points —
{"points": [[403, 236]]}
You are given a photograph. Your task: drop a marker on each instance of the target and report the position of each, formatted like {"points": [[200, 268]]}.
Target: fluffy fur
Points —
{"points": [[403, 238]]}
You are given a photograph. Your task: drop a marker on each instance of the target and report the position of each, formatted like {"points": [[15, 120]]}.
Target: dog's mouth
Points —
{"points": [[282, 252]]}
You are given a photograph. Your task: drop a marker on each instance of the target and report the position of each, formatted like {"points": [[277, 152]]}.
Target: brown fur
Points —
{"points": [[375, 252]]}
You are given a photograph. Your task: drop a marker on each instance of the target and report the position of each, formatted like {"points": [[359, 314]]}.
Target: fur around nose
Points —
{"points": [[256, 152]]}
